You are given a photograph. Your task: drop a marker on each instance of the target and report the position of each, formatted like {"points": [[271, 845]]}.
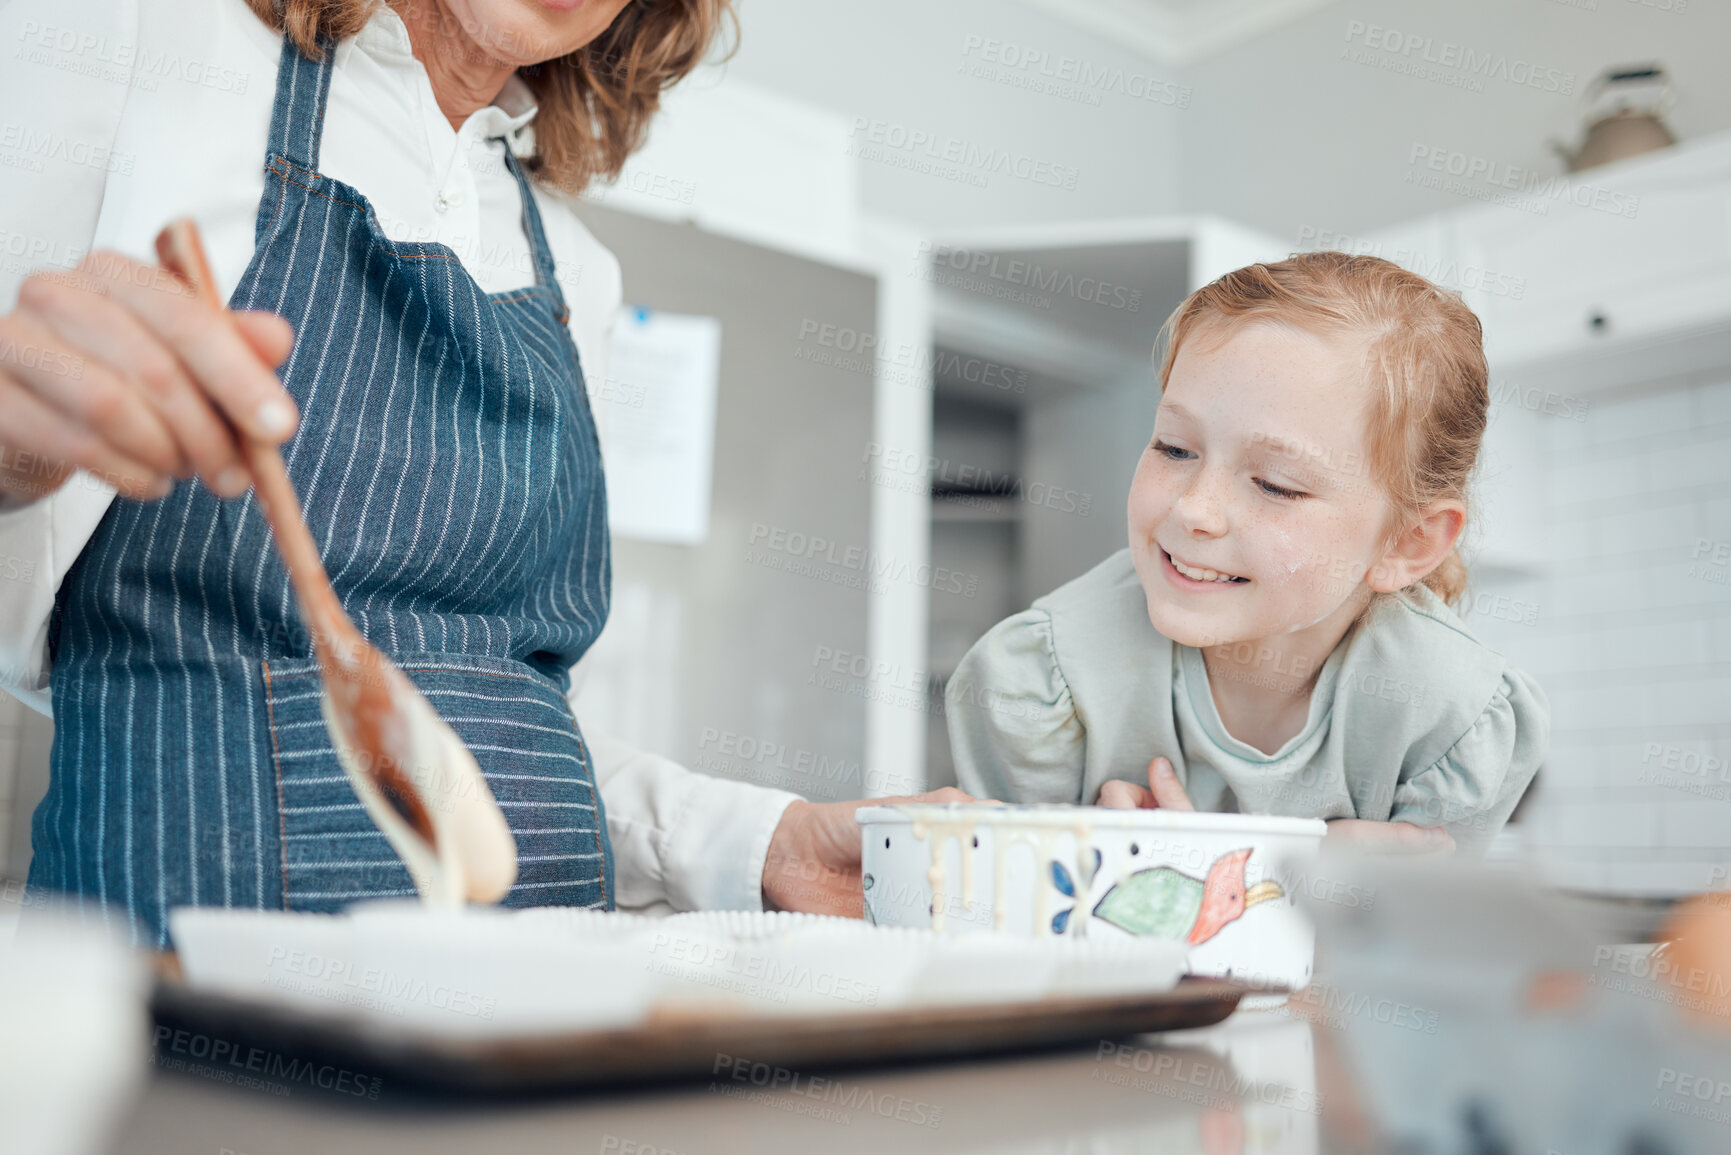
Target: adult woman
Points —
{"points": [[441, 310]]}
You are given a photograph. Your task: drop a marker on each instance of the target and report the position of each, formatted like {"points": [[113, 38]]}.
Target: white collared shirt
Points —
{"points": [[117, 116]]}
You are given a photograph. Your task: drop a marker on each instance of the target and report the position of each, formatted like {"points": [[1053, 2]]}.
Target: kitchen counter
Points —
{"points": [[1247, 1085]]}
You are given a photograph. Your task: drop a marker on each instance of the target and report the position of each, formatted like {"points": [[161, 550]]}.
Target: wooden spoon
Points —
{"points": [[418, 781]]}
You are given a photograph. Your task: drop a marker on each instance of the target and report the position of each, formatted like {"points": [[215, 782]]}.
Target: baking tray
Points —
{"points": [[678, 1046]]}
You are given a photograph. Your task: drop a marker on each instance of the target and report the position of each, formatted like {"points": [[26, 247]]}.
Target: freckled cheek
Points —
{"points": [[1151, 497], [1289, 553], [1330, 561]]}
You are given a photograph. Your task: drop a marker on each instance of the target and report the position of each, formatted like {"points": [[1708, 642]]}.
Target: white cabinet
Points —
{"points": [[1591, 276], [1628, 254], [1612, 278]]}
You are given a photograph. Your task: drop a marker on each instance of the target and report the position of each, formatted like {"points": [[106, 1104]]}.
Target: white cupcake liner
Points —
{"points": [[488, 972]]}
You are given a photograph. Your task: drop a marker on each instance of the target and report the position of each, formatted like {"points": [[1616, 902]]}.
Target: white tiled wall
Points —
{"points": [[1632, 642]]}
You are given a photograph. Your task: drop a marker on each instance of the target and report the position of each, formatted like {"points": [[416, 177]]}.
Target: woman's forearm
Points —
{"points": [[685, 839]]}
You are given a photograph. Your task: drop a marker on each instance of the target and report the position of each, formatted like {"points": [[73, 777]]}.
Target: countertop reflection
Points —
{"points": [[1249, 1085]]}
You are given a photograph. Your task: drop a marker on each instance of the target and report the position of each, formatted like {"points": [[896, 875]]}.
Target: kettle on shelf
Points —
{"points": [[1625, 109]]}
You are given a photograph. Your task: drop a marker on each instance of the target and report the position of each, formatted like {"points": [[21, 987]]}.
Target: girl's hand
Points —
{"points": [[1387, 837], [813, 864], [1163, 792], [115, 367]]}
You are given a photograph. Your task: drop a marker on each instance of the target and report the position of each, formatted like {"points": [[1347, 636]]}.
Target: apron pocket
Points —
{"points": [[520, 731]]}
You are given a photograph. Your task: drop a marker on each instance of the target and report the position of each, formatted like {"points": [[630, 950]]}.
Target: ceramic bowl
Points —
{"points": [[1221, 884]]}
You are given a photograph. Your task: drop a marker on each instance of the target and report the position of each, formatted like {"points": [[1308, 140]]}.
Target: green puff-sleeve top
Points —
{"points": [[1411, 719]]}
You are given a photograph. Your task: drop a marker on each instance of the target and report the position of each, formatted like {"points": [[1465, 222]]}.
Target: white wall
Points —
{"points": [[905, 66], [25, 738], [749, 163], [1284, 133], [1279, 132]]}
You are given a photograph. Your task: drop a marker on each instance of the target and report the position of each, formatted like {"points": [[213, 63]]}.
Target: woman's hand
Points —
{"points": [[813, 863], [117, 368], [1163, 792]]}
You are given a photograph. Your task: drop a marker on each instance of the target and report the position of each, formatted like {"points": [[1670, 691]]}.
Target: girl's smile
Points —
{"points": [[1198, 578]]}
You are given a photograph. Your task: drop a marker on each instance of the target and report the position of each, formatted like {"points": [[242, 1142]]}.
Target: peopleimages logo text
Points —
{"points": [[993, 266], [1543, 187], [1460, 58], [1081, 76], [881, 139]]}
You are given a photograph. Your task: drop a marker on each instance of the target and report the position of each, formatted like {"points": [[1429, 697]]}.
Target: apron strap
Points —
{"points": [[297, 125], [297, 122], [537, 234]]}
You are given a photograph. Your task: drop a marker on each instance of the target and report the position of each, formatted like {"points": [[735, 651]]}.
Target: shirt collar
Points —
{"points": [[386, 39], [511, 110]]}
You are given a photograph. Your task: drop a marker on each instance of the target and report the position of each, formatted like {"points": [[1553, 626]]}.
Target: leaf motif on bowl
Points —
{"points": [[1061, 879]]}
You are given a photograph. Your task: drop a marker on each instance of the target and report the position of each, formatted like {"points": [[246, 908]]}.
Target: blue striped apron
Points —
{"points": [[448, 462]]}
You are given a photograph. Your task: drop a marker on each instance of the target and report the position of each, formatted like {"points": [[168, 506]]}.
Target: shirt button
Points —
{"points": [[442, 202]]}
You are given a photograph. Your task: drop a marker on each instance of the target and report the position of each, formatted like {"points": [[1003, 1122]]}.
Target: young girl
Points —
{"points": [[1277, 638]]}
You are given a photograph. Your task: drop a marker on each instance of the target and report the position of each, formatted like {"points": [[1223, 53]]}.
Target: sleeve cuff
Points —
{"points": [[715, 849]]}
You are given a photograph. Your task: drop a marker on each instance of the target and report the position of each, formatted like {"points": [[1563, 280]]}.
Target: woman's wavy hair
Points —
{"points": [[595, 103], [1424, 359]]}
